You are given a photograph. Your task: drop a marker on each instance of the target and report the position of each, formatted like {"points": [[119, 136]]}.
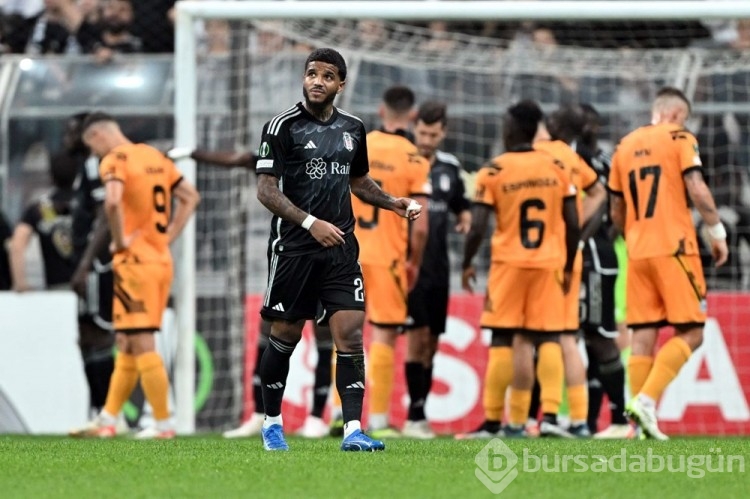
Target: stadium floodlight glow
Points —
{"points": [[186, 78]]}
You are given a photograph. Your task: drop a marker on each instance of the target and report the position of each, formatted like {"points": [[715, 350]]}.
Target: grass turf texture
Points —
{"points": [[211, 467]]}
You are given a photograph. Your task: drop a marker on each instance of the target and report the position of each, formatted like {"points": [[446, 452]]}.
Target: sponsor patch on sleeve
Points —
{"points": [[264, 164]]}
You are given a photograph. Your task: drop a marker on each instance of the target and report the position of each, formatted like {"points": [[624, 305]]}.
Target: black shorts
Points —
{"points": [[330, 276], [96, 306], [597, 304], [428, 306]]}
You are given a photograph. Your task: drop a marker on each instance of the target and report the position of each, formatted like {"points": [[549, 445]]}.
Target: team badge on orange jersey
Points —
{"points": [[348, 142]]}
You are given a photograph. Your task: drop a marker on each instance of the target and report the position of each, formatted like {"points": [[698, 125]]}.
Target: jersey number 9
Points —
{"points": [[160, 205]]}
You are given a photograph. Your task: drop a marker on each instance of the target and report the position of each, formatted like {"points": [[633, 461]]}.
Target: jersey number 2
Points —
{"points": [[531, 230], [160, 205]]}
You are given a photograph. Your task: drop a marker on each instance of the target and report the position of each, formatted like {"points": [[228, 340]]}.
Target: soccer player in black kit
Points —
{"points": [[312, 157], [428, 301]]}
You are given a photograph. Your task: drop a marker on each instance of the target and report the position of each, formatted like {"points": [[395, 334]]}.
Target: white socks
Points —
{"points": [[272, 420], [351, 427]]}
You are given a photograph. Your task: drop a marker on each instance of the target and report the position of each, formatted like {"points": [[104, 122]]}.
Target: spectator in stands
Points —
{"points": [[60, 28], [50, 217], [116, 36]]}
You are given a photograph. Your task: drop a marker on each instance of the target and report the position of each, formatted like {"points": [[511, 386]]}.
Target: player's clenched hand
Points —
{"points": [[719, 251], [468, 279], [326, 234], [407, 208]]}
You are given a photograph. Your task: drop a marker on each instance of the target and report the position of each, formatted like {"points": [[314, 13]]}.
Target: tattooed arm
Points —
{"points": [[277, 203], [367, 190]]}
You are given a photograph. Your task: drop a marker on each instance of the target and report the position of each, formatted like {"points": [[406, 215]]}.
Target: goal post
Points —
{"points": [[682, 71]]}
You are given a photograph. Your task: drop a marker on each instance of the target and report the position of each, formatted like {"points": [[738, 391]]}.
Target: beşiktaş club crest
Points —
{"points": [[348, 142]]}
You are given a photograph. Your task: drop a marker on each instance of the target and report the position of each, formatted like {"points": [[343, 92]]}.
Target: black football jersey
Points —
{"points": [[448, 195], [313, 161]]}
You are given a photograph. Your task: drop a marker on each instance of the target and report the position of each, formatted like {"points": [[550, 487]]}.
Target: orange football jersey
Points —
{"points": [[647, 170], [579, 172], [399, 170], [526, 189], [148, 177]]}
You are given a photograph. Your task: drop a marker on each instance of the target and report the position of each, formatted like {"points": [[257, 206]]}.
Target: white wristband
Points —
{"points": [[717, 232], [308, 221]]}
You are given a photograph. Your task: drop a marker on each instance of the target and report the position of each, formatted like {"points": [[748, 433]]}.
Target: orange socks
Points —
{"points": [[497, 378], [519, 401], [578, 403], [638, 368], [155, 383], [551, 375], [121, 383], [381, 374], [669, 360]]}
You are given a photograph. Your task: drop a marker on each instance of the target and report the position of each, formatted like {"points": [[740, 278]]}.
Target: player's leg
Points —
{"points": [[314, 427], [645, 315], [544, 317], [575, 370], [532, 424], [521, 384], [96, 345], [252, 425], [503, 314], [682, 288], [151, 370], [385, 292], [342, 297], [291, 299], [418, 344]]}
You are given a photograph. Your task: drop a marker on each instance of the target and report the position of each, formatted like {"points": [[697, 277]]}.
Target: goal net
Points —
{"points": [[235, 72]]}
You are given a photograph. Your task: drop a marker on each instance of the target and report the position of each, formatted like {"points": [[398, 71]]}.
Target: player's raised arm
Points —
{"points": [[228, 159]]}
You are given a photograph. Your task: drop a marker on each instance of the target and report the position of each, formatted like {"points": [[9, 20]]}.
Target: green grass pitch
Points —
{"points": [[209, 467]]}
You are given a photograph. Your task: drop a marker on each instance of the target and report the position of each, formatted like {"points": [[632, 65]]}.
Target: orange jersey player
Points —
{"points": [[140, 187], [533, 251], [556, 141], [391, 249], [656, 169]]}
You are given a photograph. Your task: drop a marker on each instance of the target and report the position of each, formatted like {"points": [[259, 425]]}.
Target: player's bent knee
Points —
{"points": [[692, 334]]}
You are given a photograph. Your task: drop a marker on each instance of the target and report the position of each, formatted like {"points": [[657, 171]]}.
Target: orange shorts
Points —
{"points": [[385, 294], [572, 303], [666, 290], [141, 294], [529, 299]]}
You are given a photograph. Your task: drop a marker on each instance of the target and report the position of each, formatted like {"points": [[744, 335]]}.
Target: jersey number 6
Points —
{"points": [[530, 227]]}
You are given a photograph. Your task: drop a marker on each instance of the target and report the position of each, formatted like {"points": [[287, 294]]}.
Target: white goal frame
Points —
{"points": [[185, 67]]}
